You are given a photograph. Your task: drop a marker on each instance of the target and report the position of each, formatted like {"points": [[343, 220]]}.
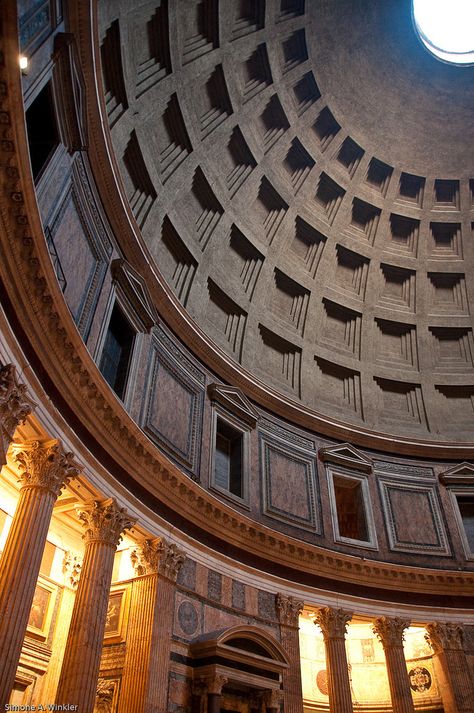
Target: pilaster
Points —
{"points": [[289, 609], [145, 674], [451, 666]]}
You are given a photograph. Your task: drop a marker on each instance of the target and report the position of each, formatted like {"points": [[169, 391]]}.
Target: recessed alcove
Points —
{"points": [[249, 16], [255, 73], [247, 258], [411, 188], [269, 209], [364, 219], [351, 271], [446, 241], [398, 289]]}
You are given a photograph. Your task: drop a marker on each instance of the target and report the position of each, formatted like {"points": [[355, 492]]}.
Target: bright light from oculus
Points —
{"points": [[446, 27]]}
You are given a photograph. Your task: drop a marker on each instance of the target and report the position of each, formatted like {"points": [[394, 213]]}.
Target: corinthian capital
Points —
{"points": [[288, 609], [104, 521], [44, 465], [146, 558], [390, 630], [171, 560], [15, 404], [333, 622], [444, 636]]}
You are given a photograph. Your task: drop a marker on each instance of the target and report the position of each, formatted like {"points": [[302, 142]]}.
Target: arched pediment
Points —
{"points": [[241, 644]]}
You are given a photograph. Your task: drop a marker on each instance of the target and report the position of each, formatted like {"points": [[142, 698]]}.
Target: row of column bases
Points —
{"points": [[44, 470]]}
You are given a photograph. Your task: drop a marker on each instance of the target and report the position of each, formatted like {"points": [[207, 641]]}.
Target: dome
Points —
{"points": [[299, 188], [236, 359]]}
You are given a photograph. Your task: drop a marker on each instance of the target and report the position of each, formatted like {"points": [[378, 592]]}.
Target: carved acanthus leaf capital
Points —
{"points": [[15, 404], [333, 622], [146, 558], [272, 698], [171, 560], [216, 684], [288, 609], [44, 465], [390, 630], [104, 521], [444, 636]]}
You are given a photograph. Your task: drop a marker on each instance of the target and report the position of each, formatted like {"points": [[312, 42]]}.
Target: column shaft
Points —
{"points": [[80, 669], [44, 469], [333, 625], [390, 631], [19, 569], [213, 702], [104, 523], [400, 692], [339, 687]]}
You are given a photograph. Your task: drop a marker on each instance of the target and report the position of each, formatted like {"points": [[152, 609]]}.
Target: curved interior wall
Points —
{"points": [[292, 536], [154, 449]]}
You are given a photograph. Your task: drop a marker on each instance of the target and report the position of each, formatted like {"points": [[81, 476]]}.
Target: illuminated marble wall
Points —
{"points": [[369, 682]]}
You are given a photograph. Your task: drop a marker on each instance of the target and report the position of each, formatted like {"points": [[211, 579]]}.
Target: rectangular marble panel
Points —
{"points": [[289, 483], [413, 517]]}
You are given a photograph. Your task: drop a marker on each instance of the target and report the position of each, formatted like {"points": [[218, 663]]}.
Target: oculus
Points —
{"points": [[446, 29]]}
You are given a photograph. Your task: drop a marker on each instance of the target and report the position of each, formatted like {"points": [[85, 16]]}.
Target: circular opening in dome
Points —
{"points": [[446, 28]]}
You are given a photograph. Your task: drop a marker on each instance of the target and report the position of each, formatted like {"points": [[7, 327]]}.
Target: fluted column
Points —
{"points": [[44, 470], [104, 523], [146, 664], [289, 610], [390, 632], [451, 666], [15, 407], [333, 624]]}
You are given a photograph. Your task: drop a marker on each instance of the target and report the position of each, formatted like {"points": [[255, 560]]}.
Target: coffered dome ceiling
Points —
{"points": [[302, 177]]}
